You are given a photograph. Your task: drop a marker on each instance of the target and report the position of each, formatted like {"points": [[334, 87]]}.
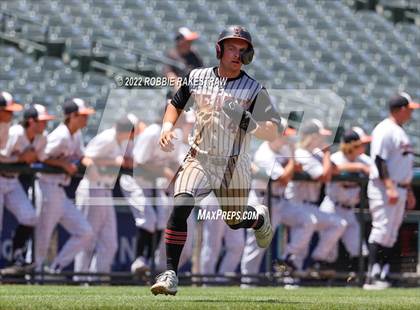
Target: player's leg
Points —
{"points": [[333, 227], [301, 228], [144, 217], [213, 231], [234, 245], [80, 231], [233, 196], [51, 199], [252, 253], [107, 243], [17, 202], [379, 240], [190, 180], [95, 215], [387, 248], [351, 237]]}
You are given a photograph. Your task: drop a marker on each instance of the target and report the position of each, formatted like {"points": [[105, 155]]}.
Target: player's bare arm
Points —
{"points": [[266, 131], [167, 135], [69, 167]]}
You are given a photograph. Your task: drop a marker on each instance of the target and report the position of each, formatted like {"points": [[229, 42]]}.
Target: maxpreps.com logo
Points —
{"points": [[219, 214]]}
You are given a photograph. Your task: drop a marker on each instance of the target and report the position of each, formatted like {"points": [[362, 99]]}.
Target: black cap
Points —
{"points": [[355, 134], [77, 105], [402, 100], [37, 111]]}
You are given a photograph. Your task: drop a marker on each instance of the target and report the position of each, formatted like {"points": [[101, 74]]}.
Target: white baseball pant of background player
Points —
{"points": [[214, 233], [349, 196], [12, 194], [56, 207], [299, 192], [99, 253]]}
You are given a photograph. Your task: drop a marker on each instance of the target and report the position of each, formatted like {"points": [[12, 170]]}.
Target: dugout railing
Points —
{"points": [[270, 277]]}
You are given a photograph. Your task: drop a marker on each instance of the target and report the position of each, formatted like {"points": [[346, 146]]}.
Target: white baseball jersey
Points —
{"points": [[104, 146], [391, 143], [272, 164], [18, 142], [345, 192], [308, 191], [62, 144], [146, 150]]}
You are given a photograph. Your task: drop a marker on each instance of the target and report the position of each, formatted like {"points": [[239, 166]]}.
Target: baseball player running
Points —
{"points": [[105, 150], [230, 106], [276, 160], [25, 144], [389, 188], [64, 148], [314, 156], [342, 197]]}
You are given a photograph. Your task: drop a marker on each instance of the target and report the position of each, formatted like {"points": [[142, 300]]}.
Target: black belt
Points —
{"points": [[213, 160], [347, 186], [7, 176], [404, 185], [263, 193], [344, 206]]}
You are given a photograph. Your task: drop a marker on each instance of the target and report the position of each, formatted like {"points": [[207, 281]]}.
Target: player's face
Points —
{"points": [[82, 120], [232, 49], [40, 127], [5, 116]]}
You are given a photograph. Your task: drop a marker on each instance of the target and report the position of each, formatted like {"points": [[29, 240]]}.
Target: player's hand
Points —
{"points": [[240, 117], [411, 200], [118, 161], [165, 141], [392, 195], [28, 157], [70, 168]]}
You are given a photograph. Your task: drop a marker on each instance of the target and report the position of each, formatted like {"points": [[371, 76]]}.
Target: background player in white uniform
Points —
{"points": [[389, 188], [341, 197], [216, 232], [314, 156], [7, 107], [25, 144], [276, 160], [218, 161], [147, 199], [64, 148], [104, 151]]}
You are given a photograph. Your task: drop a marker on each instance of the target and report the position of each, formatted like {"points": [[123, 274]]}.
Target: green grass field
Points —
{"points": [[105, 297]]}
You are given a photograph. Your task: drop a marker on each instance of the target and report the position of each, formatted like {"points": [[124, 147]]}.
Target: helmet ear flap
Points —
{"points": [[247, 55], [219, 50]]}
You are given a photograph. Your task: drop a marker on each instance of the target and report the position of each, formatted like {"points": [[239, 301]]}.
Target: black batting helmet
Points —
{"points": [[236, 32]]}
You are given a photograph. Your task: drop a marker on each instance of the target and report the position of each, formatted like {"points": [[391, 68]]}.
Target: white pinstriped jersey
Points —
{"points": [[18, 142], [214, 133]]}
